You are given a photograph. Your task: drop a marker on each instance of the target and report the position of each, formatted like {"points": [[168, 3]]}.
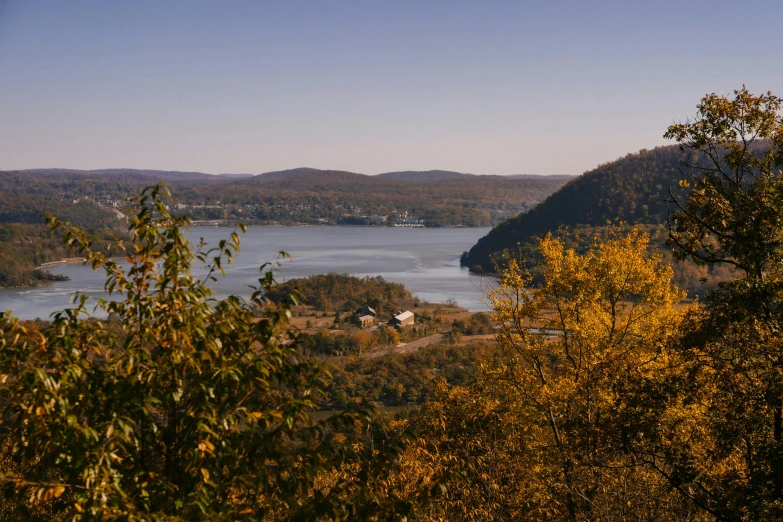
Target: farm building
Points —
{"points": [[366, 320], [401, 320], [366, 310]]}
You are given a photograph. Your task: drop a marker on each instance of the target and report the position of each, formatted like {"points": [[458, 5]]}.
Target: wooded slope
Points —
{"points": [[632, 189]]}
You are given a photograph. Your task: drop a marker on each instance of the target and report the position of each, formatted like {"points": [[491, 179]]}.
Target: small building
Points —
{"points": [[366, 320], [366, 310], [401, 320]]}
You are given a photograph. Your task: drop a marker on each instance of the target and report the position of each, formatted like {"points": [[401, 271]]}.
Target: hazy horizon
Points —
{"points": [[287, 169], [496, 88]]}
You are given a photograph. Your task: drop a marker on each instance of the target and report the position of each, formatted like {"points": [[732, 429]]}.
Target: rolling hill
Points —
{"points": [[423, 176], [174, 176], [170, 176], [428, 176], [631, 189]]}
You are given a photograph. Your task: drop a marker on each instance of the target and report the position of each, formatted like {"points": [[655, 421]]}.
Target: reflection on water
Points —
{"points": [[426, 261]]}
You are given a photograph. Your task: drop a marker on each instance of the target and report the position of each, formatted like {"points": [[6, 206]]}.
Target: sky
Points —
{"points": [[489, 87]]}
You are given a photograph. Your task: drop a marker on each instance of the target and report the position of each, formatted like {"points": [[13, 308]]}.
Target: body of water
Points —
{"points": [[425, 260]]}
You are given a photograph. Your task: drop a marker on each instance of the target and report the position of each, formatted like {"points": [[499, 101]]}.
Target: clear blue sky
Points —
{"points": [[486, 87]]}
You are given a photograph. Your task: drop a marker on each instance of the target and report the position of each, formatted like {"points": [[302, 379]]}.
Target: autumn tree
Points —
{"points": [[541, 432], [718, 429], [732, 210]]}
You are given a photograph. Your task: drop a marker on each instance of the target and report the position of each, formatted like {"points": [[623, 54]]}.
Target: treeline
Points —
{"points": [[405, 379], [345, 293], [350, 343], [698, 280], [477, 324]]}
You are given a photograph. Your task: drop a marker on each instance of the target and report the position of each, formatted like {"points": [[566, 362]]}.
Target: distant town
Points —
{"points": [[231, 213]]}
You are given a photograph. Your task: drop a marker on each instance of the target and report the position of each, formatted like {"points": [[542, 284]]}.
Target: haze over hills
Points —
{"points": [[162, 175], [173, 175], [438, 175], [423, 176], [534, 176], [315, 179], [632, 189]]}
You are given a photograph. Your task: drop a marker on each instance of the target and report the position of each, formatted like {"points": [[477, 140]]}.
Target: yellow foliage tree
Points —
{"points": [[542, 432]]}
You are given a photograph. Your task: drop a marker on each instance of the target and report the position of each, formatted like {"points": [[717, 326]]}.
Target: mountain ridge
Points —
{"points": [[424, 176], [427, 176], [631, 189]]}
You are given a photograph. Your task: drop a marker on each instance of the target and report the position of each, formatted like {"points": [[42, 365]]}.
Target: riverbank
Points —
{"points": [[63, 261]]}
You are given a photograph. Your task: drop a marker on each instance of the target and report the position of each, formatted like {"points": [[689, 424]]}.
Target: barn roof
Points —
{"points": [[403, 316]]}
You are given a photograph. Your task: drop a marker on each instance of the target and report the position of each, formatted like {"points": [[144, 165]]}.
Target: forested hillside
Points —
{"points": [[25, 243], [427, 176], [305, 195], [632, 189], [20, 207]]}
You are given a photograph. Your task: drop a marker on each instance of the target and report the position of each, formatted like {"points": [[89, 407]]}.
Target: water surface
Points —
{"points": [[425, 260]]}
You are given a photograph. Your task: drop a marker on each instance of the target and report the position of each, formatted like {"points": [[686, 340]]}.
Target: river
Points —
{"points": [[425, 260]]}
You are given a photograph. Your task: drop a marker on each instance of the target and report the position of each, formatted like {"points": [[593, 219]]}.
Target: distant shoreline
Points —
{"points": [[62, 261], [421, 226]]}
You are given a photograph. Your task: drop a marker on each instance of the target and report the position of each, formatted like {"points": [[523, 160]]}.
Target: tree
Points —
{"points": [[726, 387], [179, 406], [540, 432], [732, 213]]}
